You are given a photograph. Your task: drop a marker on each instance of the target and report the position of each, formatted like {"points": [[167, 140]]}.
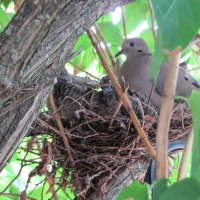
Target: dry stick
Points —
{"points": [[152, 20], [100, 39], [166, 112], [124, 22], [193, 69], [61, 128], [99, 33], [154, 36], [79, 68], [185, 157], [123, 97]]}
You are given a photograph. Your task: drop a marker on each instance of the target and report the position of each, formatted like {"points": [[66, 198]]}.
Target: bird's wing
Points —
{"points": [[185, 83], [160, 82]]}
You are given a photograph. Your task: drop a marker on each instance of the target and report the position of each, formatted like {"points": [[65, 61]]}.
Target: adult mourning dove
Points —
{"points": [[136, 72]]}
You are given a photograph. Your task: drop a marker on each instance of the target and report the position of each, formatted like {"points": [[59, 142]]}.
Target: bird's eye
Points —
{"points": [[140, 51], [132, 44]]}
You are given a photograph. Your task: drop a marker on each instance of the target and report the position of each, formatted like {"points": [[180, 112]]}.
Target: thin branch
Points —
{"points": [[99, 33], [79, 68], [63, 135], [18, 174], [193, 69], [166, 112], [123, 96], [17, 195], [124, 23], [152, 20], [185, 157], [61, 128]]}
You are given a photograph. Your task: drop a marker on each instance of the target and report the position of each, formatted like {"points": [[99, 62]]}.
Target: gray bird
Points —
{"points": [[136, 72]]}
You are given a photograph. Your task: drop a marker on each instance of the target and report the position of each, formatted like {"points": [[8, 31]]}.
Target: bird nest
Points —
{"points": [[103, 141]]}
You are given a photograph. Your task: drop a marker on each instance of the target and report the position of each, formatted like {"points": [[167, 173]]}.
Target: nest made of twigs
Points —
{"points": [[101, 136]]}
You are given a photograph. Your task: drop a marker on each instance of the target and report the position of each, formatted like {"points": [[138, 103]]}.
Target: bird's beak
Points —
{"points": [[120, 52]]}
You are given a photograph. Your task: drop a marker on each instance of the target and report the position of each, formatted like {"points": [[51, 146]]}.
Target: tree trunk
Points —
{"points": [[34, 47]]}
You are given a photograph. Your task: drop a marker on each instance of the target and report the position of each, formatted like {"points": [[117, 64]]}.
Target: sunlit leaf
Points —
{"points": [[111, 33], [83, 42], [178, 22], [6, 3], [4, 18], [136, 13], [105, 18], [88, 57]]}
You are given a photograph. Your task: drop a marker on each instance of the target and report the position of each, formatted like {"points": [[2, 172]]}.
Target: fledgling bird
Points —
{"points": [[136, 72]]}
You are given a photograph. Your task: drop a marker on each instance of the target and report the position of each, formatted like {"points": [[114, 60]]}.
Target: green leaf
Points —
{"points": [[135, 13], [105, 18], [178, 22], [187, 189], [6, 3], [193, 102], [83, 42], [159, 188], [88, 57], [111, 33], [135, 190], [114, 49], [5, 18]]}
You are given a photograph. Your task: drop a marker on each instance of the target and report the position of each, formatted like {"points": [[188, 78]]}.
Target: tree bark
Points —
{"points": [[34, 48]]}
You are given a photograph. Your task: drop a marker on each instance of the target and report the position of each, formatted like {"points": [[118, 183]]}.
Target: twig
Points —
{"points": [[46, 125], [113, 173], [152, 20], [193, 69], [123, 97], [79, 68], [62, 132], [124, 23], [18, 174], [99, 33], [17, 195], [185, 157], [61, 128], [119, 105], [166, 112]]}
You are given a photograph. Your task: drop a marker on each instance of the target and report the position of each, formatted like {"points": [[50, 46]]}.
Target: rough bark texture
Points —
{"points": [[34, 48]]}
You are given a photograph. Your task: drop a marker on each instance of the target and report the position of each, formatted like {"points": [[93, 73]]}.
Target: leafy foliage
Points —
{"points": [[4, 19], [178, 22], [159, 188], [187, 189], [135, 190], [5, 3]]}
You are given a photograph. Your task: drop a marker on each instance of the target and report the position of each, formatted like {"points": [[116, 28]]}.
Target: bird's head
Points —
{"points": [[134, 46]]}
